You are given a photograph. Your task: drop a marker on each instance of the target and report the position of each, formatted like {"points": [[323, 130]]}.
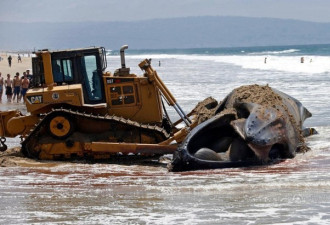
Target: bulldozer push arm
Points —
{"points": [[153, 77], [13, 123]]}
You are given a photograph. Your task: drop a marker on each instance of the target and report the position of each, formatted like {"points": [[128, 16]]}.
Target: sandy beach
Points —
{"points": [[15, 66]]}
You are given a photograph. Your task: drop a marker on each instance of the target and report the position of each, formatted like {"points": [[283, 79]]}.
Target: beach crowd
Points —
{"points": [[16, 87], [13, 84]]}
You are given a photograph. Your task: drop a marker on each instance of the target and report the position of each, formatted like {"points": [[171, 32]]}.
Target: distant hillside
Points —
{"points": [[191, 32]]}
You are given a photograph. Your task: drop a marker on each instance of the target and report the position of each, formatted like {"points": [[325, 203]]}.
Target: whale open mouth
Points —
{"points": [[225, 141], [222, 139]]}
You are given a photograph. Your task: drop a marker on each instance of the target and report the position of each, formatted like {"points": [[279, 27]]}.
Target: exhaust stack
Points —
{"points": [[123, 71], [122, 56]]}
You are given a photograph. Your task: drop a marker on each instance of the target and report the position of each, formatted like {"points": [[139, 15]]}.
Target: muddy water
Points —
{"points": [[296, 191]]}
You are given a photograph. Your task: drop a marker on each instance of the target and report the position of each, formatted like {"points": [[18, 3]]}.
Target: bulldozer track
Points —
{"points": [[35, 133]]}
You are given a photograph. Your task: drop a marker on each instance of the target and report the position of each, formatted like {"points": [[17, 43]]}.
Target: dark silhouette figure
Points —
{"points": [[9, 60]]}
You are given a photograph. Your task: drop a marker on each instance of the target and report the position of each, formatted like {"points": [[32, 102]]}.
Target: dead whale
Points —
{"points": [[253, 125]]}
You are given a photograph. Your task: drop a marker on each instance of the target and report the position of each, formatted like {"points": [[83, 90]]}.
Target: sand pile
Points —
{"points": [[10, 157], [205, 109], [262, 95]]}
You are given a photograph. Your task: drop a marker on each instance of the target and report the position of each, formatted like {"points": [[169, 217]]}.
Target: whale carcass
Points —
{"points": [[253, 125]]}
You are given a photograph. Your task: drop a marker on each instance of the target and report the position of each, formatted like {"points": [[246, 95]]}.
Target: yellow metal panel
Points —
{"points": [[47, 62], [41, 98], [147, 105], [22, 124], [5, 116], [60, 150]]}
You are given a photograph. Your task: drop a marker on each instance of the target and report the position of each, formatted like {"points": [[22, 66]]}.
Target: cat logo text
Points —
{"points": [[37, 99]]}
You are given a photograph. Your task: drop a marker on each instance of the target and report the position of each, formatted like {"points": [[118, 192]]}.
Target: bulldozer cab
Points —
{"points": [[77, 66], [76, 79]]}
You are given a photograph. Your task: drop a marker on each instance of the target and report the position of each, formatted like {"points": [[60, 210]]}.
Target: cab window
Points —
{"points": [[92, 80], [62, 70], [67, 70]]}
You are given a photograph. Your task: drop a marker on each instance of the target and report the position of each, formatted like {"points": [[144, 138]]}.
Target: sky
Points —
{"points": [[133, 10]]}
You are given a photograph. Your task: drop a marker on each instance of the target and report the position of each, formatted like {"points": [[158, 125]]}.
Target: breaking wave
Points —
{"points": [[288, 51], [311, 64]]}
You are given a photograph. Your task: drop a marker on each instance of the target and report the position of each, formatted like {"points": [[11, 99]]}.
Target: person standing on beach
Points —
{"points": [[25, 86], [9, 60], [9, 84], [19, 59], [29, 76], [24, 73], [1, 87], [17, 87]]}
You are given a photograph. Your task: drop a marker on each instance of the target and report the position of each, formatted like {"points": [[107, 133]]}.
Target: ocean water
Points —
{"points": [[296, 191]]}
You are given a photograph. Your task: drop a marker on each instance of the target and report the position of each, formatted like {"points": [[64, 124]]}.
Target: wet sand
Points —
{"points": [[13, 157]]}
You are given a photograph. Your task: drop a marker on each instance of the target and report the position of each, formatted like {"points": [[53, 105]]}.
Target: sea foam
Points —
{"points": [[312, 64]]}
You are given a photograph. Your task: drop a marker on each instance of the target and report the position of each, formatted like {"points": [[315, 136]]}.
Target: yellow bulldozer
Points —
{"points": [[77, 110]]}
